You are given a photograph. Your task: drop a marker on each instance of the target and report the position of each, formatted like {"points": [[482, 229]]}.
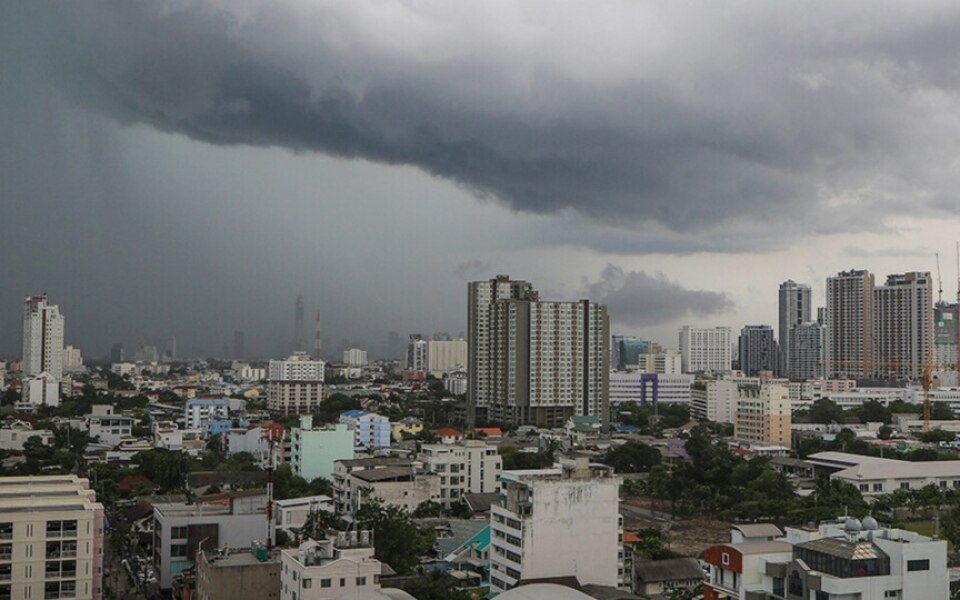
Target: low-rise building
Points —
{"points": [[469, 467], [370, 430], [180, 530], [839, 559], [14, 433], [108, 427], [250, 573], [714, 400], [343, 483], [410, 425], [642, 387], [661, 578], [198, 413], [51, 538], [290, 514], [340, 567], [314, 450], [404, 487]]}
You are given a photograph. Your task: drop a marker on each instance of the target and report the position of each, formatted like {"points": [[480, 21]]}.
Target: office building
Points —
{"points": [[250, 573], [551, 361], [903, 326], [314, 450], [662, 363], [481, 362], [556, 523], [370, 430], [806, 353], [849, 325], [758, 350], [116, 353], [42, 338], [763, 415], [355, 357], [51, 538], [295, 385], [715, 400], [705, 349], [445, 356], [629, 351], [844, 558], [641, 388], [795, 308], [180, 530]]}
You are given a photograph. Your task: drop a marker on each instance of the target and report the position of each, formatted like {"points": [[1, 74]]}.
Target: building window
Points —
{"points": [[905, 485], [178, 533], [6, 531], [918, 565], [361, 581], [307, 584], [178, 551], [325, 583], [725, 558]]}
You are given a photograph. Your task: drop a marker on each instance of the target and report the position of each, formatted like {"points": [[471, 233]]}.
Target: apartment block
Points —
{"points": [[903, 326], [468, 467], [295, 385], [42, 338], [849, 325], [51, 538], [556, 523], [763, 415], [370, 430], [314, 450], [705, 349], [250, 573], [794, 308], [340, 567], [715, 400]]}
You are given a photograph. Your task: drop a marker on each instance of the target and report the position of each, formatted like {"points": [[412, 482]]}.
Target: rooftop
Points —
{"points": [[841, 548], [672, 569]]}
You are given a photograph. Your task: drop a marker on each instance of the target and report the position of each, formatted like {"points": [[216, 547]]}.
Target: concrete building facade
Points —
{"points": [[314, 450], [849, 325], [763, 415], [794, 308], [705, 349], [295, 385], [42, 338], [758, 350], [903, 326]]}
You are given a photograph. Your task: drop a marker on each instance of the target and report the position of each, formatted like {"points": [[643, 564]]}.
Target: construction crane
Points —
{"points": [[939, 282]]}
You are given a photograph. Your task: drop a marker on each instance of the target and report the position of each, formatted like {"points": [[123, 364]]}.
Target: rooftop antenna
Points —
{"points": [[939, 282]]}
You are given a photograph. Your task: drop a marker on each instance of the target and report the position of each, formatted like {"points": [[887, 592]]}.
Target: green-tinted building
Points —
{"points": [[314, 450]]}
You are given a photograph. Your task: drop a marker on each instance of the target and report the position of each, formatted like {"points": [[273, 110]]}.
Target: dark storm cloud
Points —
{"points": [[718, 120], [637, 298]]}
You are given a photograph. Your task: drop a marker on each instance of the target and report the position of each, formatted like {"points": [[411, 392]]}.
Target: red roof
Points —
{"points": [[630, 538], [490, 431], [448, 432]]}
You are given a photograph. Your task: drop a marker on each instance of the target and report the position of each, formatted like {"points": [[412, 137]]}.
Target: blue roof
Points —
{"points": [[207, 401], [627, 428], [353, 413]]}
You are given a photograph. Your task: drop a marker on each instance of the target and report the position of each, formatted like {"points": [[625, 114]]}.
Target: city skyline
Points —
{"points": [[184, 234]]}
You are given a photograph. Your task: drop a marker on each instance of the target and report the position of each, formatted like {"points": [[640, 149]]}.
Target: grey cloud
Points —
{"points": [[795, 120], [473, 269], [638, 298], [918, 251]]}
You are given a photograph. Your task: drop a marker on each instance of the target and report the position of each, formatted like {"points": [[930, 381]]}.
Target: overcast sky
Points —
{"points": [[189, 167]]}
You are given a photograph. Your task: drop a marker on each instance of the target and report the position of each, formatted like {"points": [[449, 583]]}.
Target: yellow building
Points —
{"points": [[411, 425], [763, 415]]}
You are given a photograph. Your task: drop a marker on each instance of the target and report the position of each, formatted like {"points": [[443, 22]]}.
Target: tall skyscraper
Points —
{"points": [[481, 298], [299, 340], [239, 345], [849, 325], [795, 307], [317, 339], [758, 350], [705, 349], [42, 338], [945, 323], [416, 359], [903, 325], [550, 361], [116, 353]]}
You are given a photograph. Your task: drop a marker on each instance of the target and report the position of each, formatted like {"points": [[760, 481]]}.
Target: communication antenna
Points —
{"points": [[939, 282]]}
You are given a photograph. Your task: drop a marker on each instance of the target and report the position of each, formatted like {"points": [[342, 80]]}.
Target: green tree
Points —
{"points": [[937, 435], [434, 585], [941, 411], [873, 412], [632, 457], [826, 411], [398, 541], [885, 432]]}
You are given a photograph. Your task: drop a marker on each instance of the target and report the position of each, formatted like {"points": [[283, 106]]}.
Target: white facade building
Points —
{"points": [[641, 387], [705, 349], [556, 523], [416, 354], [715, 400], [295, 385], [468, 467], [72, 359], [42, 338], [339, 568], [355, 357], [444, 356], [662, 363], [109, 428]]}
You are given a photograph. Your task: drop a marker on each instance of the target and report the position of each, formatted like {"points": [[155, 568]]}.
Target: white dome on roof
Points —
{"points": [[543, 591], [852, 525], [870, 524]]}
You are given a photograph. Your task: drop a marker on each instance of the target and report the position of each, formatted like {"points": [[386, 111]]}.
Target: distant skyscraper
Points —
{"points": [[705, 349], [171, 347], [903, 325], [849, 325], [481, 297], [416, 359], [42, 338], [630, 350], [758, 350], [299, 340], [239, 345], [317, 339], [806, 350], [945, 323], [795, 308], [116, 353]]}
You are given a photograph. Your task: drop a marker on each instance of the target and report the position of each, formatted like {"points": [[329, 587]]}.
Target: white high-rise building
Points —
{"points": [[444, 356], [550, 361], [295, 385], [849, 325], [903, 325], [662, 363], [481, 298], [42, 338], [705, 349], [715, 400], [72, 360], [556, 523], [416, 353], [795, 308], [355, 357]]}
